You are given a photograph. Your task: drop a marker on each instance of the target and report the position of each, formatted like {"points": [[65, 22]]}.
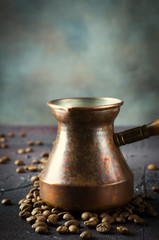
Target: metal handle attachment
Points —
{"points": [[137, 134]]}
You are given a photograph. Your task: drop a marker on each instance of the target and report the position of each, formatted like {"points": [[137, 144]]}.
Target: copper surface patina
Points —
{"points": [[86, 169]]}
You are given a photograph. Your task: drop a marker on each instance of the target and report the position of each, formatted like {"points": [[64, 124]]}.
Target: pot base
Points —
{"points": [[78, 198]]}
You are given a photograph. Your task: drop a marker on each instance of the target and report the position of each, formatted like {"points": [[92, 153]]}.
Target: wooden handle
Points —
{"points": [[137, 134]]}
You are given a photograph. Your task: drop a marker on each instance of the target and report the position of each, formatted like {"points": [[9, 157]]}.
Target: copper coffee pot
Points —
{"points": [[86, 169]]}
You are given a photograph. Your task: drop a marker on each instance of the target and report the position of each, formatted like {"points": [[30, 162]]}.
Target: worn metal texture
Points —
{"points": [[86, 170], [15, 186]]}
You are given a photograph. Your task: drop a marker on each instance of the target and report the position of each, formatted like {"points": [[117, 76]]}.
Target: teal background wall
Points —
{"points": [[74, 48]]}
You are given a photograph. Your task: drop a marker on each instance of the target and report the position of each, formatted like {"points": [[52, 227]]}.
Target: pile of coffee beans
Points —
{"points": [[42, 217]]}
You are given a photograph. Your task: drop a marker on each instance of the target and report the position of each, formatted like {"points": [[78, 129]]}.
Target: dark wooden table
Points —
{"points": [[15, 186]]}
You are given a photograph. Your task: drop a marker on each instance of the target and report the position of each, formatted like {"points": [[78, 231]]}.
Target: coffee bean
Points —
{"points": [[6, 201], [44, 160], [20, 170], [120, 219], [41, 229], [22, 134], [30, 142], [108, 219], [21, 151], [30, 195], [73, 229], [24, 206], [45, 207], [95, 215], [3, 139], [10, 134], [31, 219], [47, 213], [86, 215], [28, 149], [152, 167], [36, 211], [39, 142], [86, 235], [60, 214], [124, 214], [132, 217], [36, 194], [104, 214], [103, 227], [44, 154], [36, 224], [62, 229], [35, 161], [18, 162], [24, 214], [4, 145], [2, 135], [68, 216], [139, 221], [37, 203], [72, 222], [31, 168], [122, 230], [90, 224], [155, 189], [55, 211], [52, 219], [94, 219], [34, 178], [41, 219], [41, 165], [4, 159]]}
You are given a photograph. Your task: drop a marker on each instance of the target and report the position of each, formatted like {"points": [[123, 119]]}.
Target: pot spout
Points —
{"points": [[137, 134]]}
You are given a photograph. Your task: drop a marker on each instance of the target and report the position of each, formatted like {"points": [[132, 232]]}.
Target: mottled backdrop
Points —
{"points": [[69, 48]]}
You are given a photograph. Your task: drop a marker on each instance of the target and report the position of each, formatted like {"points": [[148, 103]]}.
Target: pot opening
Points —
{"points": [[86, 103]]}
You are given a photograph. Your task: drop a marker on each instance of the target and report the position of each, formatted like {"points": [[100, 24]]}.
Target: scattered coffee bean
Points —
{"points": [[120, 219], [36, 184], [37, 224], [73, 229], [94, 219], [139, 221], [68, 216], [28, 149], [52, 219], [31, 219], [36, 211], [41, 165], [47, 213], [4, 159], [44, 154], [152, 167], [62, 229], [25, 206], [30, 142], [18, 162], [60, 214], [86, 235], [86, 216], [72, 222], [103, 227], [35, 161], [22, 134], [108, 219], [24, 214], [45, 207], [31, 168], [155, 189], [37, 203], [104, 214], [4, 145], [39, 142], [55, 211], [132, 217], [122, 230], [44, 160], [41, 229], [34, 178], [90, 223], [3, 139], [41, 219], [21, 151], [6, 201], [20, 170], [10, 134], [2, 135]]}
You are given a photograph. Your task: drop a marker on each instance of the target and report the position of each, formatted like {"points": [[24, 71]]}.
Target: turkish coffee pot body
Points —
{"points": [[86, 169]]}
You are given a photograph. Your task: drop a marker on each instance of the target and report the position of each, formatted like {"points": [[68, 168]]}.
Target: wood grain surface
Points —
{"points": [[16, 185]]}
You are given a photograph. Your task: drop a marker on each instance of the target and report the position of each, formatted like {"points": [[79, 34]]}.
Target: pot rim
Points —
{"points": [[98, 103]]}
